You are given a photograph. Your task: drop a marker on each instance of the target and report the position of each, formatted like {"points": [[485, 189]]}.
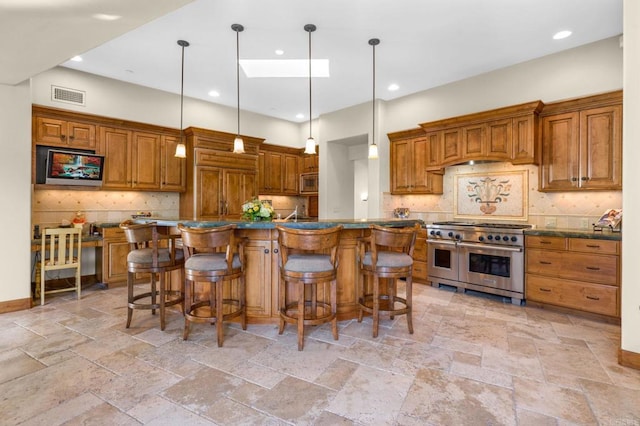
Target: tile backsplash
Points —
{"points": [[575, 210]]}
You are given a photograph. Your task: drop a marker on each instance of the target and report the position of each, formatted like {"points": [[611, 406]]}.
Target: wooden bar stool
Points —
{"points": [[155, 254], [215, 256], [386, 254], [308, 257]]}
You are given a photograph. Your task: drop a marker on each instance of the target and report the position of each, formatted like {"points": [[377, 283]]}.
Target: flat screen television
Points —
{"points": [[74, 168]]}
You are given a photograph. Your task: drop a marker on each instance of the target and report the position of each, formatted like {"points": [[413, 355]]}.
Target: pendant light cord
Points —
{"points": [[374, 42], [183, 44], [238, 75], [310, 28]]}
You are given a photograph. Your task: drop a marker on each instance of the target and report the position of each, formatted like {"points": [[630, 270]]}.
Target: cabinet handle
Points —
{"points": [[275, 251], [546, 290], [266, 251], [63, 137], [593, 298], [574, 179], [592, 268], [584, 178], [545, 242], [72, 137], [593, 246], [544, 262]]}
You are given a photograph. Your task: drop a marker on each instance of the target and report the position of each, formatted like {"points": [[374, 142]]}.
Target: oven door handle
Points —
{"points": [[442, 243], [491, 247]]}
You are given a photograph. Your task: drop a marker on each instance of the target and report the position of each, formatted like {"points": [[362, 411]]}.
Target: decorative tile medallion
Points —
{"points": [[491, 196]]}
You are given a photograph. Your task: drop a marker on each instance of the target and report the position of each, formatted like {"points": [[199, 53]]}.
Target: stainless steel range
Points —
{"points": [[486, 257]]}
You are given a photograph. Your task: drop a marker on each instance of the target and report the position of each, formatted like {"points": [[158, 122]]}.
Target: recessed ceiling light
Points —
{"points": [[214, 93], [393, 87], [77, 58], [105, 17], [300, 116], [561, 34], [257, 68], [279, 52]]}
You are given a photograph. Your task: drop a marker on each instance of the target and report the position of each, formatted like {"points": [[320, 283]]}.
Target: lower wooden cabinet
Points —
{"points": [[420, 257], [261, 273], [111, 260], [576, 273]]}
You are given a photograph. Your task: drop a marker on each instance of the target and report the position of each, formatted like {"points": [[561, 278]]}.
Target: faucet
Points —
{"points": [[293, 214]]}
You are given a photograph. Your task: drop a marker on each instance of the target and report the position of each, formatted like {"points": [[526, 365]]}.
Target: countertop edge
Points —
{"points": [[575, 233]]}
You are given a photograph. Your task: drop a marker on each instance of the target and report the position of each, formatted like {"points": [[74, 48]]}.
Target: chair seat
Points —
{"points": [[211, 262], [145, 256], [308, 263], [389, 259]]}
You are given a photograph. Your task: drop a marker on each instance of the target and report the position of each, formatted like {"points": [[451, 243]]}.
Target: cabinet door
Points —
{"points": [[524, 142], [258, 278], [309, 162], [81, 135], [451, 146], [114, 261], [499, 140], [560, 152], [51, 131], [145, 164], [401, 158], [432, 160], [290, 174], [420, 179], [474, 140], [601, 148], [238, 187], [208, 192], [173, 176], [115, 145], [273, 172]]}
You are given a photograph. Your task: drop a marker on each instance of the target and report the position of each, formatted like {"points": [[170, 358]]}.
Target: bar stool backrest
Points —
{"points": [[308, 240], [210, 240]]}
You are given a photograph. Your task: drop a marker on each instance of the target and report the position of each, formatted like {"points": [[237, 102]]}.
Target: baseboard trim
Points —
{"points": [[629, 359], [15, 305]]}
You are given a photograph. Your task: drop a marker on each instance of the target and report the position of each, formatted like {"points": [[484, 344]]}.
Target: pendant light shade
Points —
{"points": [[238, 143], [310, 145], [181, 149], [373, 148]]}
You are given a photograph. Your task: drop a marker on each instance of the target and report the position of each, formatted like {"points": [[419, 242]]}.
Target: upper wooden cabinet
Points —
{"points": [[309, 162], [218, 181], [278, 170], [582, 144], [409, 153], [504, 134], [138, 156]]}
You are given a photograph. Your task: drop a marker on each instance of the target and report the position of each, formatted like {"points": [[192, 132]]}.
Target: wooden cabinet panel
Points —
{"points": [[524, 137], [173, 176], [112, 258], [145, 161], [474, 140], [420, 270], [278, 170], [401, 178], [115, 145], [451, 146], [499, 140], [290, 175], [208, 190], [409, 171], [258, 279], [238, 187], [547, 243], [601, 148], [432, 155], [588, 245], [545, 262], [309, 162], [70, 134], [560, 150], [270, 164]]}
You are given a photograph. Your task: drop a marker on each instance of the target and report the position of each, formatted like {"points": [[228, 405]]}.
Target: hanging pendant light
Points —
{"points": [[181, 149], [310, 146], [373, 148], [238, 143]]}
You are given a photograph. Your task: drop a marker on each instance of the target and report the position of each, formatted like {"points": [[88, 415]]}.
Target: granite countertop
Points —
{"points": [[317, 224], [605, 234]]}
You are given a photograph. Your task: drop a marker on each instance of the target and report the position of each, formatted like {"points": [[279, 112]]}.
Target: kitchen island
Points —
{"points": [[262, 272]]}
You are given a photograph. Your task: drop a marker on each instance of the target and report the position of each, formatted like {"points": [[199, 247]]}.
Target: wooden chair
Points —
{"points": [[308, 257], [61, 250], [155, 254], [215, 256], [386, 254]]}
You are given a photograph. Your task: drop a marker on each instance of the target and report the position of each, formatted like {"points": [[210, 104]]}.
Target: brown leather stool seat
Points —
{"points": [[155, 254], [214, 256], [386, 254], [308, 262]]}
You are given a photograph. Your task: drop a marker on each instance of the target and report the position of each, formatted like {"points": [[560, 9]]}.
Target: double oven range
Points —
{"points": [[485, 257]]}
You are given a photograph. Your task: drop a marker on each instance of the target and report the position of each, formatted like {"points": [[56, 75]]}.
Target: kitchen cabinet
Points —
{"points": [[578, 273], [111, 259], [409, 174], [582, 144], [278, 170], [173, 176], [218, 181], [309, 163], [420, 272], [65, 134]]}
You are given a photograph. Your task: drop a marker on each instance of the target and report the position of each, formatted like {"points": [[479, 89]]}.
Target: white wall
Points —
{"points": [[112, 98], [15, 175], [630, 177]]}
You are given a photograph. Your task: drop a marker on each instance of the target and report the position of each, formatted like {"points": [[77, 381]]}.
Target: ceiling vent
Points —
{"points": [[69, 96]]}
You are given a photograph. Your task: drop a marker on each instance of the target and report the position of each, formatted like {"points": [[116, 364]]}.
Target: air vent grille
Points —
{"points": [[69, 96]]}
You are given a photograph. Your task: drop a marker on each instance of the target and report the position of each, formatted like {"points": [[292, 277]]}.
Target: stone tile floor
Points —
{"points": [[472, 361]]}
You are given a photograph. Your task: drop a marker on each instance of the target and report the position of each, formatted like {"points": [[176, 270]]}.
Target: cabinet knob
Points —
{"points": [[63, 137], [574, 179], [584, 178], [266, 251], [275, 251]]}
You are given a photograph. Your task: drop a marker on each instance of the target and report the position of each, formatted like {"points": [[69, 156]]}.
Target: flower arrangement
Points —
{"points": [[256, 210]]}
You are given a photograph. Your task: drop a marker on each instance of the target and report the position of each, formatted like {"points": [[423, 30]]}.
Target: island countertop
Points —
{"points": [[306, 224]]}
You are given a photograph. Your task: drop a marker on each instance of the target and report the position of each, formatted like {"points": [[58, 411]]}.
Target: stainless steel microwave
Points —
{"points": [[308, 183]]}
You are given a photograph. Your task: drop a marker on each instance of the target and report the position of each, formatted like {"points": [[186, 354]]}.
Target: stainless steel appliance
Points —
{"points": [[309, 183], [486, 257]]}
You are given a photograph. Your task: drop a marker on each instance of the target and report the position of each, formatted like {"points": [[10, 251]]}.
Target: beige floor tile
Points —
{"points": [[15, 363], [613, 404]]}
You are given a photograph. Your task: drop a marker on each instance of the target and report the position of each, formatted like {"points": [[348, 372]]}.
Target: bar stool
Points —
{"points": [[215, 256], [308, 257], [155, 254], [386, 254]]}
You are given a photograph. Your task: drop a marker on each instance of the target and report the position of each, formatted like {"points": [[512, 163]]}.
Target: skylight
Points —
{"points": [[277, 68]]}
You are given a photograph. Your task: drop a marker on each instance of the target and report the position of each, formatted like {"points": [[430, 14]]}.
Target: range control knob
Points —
{"points": [[505, 238], [438, 233], [432, 232], [450, 234], [490, 237], [480, 238], [514, 239], [497, 237]]}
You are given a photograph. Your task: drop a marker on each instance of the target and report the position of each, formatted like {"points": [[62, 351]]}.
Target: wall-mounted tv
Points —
{"points": [[74, 168]]}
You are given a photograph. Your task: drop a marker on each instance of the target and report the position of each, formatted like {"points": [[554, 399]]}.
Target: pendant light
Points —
{"points": [[238, 143], [310, 146], [181, 149], [373, 148]]}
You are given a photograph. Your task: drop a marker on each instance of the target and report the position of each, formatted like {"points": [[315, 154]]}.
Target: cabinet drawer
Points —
{"points": [[420, 250], [600, 299], [601, 269], [544, 262], [550, 243], [113, 233], [419, 271], [588, 245]]}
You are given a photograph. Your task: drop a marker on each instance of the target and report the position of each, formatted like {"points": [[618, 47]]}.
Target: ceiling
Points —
{"points": [[423, 43]]}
